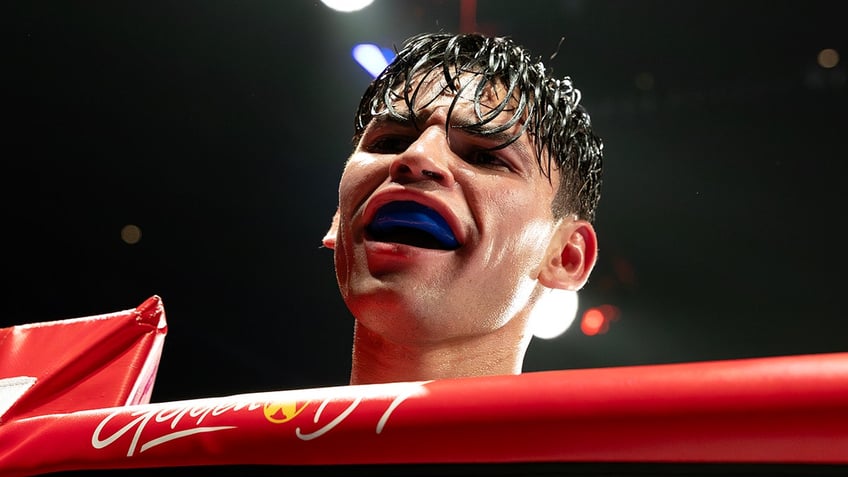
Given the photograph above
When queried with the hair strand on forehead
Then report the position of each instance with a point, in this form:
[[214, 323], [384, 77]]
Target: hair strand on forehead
[[548, 109]]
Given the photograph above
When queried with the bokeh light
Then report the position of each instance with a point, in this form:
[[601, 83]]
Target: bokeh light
[[370, 57], [828, 58], [554, 314], [347, 5], [596, 320], [592, 322], [131, 234]]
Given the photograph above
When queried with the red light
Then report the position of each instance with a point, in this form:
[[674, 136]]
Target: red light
[[596, 321], [592, 322]]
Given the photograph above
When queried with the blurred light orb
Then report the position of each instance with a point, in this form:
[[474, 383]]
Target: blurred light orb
[[371, 58], [131, 234], [553, 316], [347, 5], [592, 322], [828, 58], [597, 320]]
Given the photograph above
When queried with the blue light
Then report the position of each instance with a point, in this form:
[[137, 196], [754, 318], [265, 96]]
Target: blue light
[[373, 58]]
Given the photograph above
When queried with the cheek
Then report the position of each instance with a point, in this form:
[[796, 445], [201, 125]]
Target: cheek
[[359, 169], [361, 176], [524, 248], [520, 226], [346, 241], [344, 261], [363, 173], [524, 218], [342, 272]]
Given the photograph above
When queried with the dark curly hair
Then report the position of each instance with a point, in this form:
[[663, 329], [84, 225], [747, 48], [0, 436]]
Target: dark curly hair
[[548, 109]]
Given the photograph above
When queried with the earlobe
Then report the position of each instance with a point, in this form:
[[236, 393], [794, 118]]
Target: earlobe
[[329, 239], [571, 256]]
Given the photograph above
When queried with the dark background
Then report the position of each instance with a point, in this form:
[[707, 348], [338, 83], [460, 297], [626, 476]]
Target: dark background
[[220, 128]]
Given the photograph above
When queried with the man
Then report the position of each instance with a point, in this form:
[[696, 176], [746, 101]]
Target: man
[[466, 205]]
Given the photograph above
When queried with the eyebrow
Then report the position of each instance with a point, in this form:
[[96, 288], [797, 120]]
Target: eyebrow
[[501, 137], [387, 120]]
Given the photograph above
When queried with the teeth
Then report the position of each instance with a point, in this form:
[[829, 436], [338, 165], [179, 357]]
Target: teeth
[[406, 215]]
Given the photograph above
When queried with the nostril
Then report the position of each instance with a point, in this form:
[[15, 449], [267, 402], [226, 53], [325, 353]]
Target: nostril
[[431, 174]]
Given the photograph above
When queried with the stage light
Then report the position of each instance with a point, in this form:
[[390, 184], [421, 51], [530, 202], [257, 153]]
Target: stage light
[[131, 234], [828, 58], [592, 322], [370, 57], [596, 321], [347, 5], [554, 314]]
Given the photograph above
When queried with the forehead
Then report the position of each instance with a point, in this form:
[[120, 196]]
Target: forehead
[[473, 99], [480, 106]]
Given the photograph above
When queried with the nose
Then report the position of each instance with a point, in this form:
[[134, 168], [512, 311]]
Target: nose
[[427, 158]]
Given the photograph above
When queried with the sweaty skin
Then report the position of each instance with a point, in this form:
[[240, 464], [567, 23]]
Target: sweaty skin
[[429, 313]]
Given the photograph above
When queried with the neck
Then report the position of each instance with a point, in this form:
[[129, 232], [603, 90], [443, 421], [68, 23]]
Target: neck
[[377, 360]]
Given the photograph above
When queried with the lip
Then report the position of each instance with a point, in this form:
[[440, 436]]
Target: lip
[[396, 194]]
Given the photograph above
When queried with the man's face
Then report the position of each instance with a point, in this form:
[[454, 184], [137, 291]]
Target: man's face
[[437, 237]]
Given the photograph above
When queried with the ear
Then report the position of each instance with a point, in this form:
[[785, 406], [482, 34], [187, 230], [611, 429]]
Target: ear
[[329, 239], [571, 256]]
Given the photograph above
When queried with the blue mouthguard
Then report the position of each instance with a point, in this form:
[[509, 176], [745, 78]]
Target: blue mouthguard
[[412, 215]]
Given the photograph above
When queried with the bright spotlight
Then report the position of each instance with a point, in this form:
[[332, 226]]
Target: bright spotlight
[[554, 314], [347, 5], [370, 57]]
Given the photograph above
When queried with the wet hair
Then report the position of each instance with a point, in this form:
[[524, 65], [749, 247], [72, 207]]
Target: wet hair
[[548, 109]]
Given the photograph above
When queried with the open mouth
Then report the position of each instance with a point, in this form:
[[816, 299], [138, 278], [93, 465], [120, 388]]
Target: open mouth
[[413, 224]]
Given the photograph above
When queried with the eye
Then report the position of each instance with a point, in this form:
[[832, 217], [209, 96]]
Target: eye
[[488, 159], [388, 144]]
